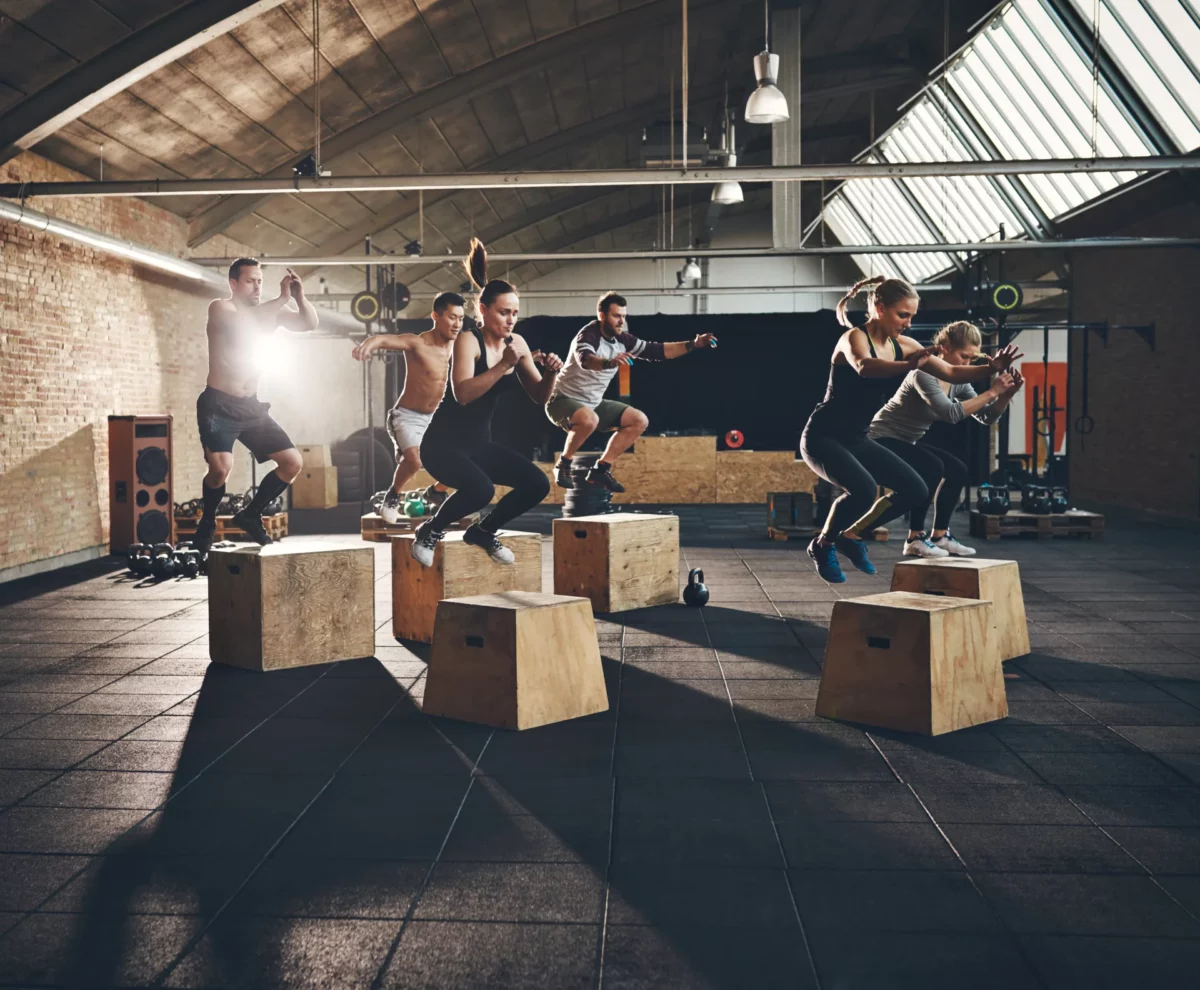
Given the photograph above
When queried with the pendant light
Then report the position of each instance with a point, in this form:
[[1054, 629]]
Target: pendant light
[[691, 270], [766, 105], [728, 193]]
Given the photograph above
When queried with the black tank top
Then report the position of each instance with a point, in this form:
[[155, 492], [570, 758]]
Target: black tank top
[[471, 423], [851, 400]]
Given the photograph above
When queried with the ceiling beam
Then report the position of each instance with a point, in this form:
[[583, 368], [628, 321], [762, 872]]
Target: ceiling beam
[[455, 90], [117, 68]]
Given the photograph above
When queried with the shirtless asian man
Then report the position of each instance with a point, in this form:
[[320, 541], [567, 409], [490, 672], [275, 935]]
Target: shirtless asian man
[[426, 363], [229, 409]]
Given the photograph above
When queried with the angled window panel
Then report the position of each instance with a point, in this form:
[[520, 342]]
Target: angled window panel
[[850, 230]]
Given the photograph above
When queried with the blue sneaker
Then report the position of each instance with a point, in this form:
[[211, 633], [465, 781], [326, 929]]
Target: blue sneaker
[[827, 563], [855, 551]]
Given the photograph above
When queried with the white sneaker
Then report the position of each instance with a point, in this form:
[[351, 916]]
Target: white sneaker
[[391, 509], [953, 547], [923, 546], [427, 539]]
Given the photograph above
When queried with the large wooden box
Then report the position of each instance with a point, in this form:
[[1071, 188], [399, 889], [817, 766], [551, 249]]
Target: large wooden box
[[458, 571], [315, 455], [315, 488], [918, 663], [515, 660], [618, 561], [290, 606], [997, 581]]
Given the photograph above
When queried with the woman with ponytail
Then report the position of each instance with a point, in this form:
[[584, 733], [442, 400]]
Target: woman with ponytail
[[867, 365], [458, 449]]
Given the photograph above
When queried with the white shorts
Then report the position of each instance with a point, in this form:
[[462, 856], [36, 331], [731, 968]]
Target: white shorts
[[406, 427]]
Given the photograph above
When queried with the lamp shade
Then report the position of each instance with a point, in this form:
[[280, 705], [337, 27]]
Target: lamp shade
[[728, 193], [766, 105], [691, 271]]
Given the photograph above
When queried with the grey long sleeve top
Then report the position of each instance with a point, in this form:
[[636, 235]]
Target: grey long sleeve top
[[919, 402]]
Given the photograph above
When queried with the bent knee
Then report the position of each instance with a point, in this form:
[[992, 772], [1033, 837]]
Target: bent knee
[[638, 420], [412, 458], [585, 419], [539, 486], [288, 464]]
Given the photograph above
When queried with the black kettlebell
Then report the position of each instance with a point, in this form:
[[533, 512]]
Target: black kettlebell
[[1035, 499], [135, 558], [1000, 502], [696, 594], [164, 561], [983, 499], [190, 565], [1059, 500]]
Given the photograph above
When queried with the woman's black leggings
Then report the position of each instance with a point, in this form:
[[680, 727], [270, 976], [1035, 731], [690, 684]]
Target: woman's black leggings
[[859, 467], [941, 471], [473, 473]]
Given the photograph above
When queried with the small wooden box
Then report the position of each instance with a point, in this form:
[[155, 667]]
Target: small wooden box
[[458, 571], [315, 488], [315, 455], [997, 581], [515, 660], [283, 606], [618, 561], [918, 663]]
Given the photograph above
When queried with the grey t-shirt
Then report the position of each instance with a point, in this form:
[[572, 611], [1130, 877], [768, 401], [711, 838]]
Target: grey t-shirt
[[580, 383], [919, 402]]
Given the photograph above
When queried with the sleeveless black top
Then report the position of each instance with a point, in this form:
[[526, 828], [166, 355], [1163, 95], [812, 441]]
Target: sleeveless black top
[[851, 400], [472, 423]]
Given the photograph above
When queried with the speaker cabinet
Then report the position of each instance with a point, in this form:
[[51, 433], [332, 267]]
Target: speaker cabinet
[[140, 493]]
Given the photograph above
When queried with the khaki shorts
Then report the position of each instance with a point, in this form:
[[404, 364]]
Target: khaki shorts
[[561, 408]]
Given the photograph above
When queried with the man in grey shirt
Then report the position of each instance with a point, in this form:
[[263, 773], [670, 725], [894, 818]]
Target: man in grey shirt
[[919, 402]]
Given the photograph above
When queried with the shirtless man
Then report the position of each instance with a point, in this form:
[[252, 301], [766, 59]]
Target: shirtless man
[[426, 367], [228, 409]]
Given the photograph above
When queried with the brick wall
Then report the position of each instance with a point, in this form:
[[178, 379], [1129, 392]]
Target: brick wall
[[1145, 452], [84, 335]]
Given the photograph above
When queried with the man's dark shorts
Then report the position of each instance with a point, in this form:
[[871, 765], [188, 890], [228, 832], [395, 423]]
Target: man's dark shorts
[[224, 418]]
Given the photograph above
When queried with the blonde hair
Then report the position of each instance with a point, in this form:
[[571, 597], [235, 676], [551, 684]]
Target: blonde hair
[[958, 335], [884, 291]]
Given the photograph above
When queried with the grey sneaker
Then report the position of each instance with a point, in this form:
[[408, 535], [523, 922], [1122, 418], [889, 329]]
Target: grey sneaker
[[427, 539]]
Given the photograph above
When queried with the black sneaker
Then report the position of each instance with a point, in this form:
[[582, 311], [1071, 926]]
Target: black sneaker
[[562, 473], [477, 536], [203, 537], [427, 539], [253, 525], [600, 475], [433, 499], [391, 509]]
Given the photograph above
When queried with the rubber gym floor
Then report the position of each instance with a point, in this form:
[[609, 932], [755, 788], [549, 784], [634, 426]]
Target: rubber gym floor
[[170, 823]]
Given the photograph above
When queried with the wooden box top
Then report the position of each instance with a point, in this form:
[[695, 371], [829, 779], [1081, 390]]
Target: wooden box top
[[289, 550], [516, 601], [456, 535], [914, 602], [960, 563], [615, 518]]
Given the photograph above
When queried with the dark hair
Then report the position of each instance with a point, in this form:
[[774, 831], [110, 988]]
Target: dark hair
[[445, 300], [235, 270], [476, 266], [610, 298]]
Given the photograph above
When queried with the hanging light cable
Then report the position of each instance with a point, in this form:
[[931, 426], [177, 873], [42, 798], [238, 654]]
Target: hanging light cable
[[766, 105]]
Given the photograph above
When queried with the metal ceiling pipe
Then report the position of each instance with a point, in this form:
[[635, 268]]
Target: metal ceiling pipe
[[400, 260], [599, 177], [720, 290], [129, 251]]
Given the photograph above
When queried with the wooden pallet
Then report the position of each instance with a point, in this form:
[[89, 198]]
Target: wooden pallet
[[375, 530], [880, 534], [1044, 527], [276, 527]]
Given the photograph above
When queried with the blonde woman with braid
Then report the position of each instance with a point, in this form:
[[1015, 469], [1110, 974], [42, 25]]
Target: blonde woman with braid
[[901, 425], [866, 368]]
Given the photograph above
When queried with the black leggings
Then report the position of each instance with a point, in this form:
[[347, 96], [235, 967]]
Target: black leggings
[[941, 471], [859, 467], [471, 471]]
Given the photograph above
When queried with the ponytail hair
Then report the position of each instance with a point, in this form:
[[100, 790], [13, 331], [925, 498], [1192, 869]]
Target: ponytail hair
[[475, 264], [884, 291], [958, 335]]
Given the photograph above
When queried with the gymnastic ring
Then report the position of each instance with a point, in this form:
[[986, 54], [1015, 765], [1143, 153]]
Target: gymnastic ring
[[1042, 426], [1084, 425], [734, 439]]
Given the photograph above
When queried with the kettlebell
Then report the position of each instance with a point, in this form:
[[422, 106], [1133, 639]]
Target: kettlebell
[[1059, 500], [696, 594], [191, 563], [1035, 499], [1000, 502], [414, 508], [163, 565], [135, 557], [983, 499]]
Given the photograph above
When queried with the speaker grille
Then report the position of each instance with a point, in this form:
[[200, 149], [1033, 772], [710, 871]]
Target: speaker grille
[[153, 527], [152, 465]]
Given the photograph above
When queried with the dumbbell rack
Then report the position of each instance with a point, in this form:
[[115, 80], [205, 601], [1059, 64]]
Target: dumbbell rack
[[1044, 527], [276, 527]]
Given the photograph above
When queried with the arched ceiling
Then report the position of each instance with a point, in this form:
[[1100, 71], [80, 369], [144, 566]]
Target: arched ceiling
[[220, 88]]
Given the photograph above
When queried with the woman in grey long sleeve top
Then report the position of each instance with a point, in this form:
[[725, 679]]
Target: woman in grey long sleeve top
[[919, 402]]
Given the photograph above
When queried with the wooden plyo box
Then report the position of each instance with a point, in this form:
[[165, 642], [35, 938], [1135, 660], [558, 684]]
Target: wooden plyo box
[[315, 455], [618, 561], [515, 660], [997, 581], [917, 663], [282, 606], [315, 488], [458, 571]]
